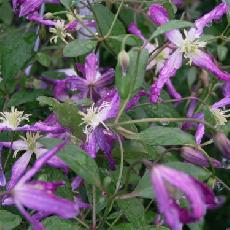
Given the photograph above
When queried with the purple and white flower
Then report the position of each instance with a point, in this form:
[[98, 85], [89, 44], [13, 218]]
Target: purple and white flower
[[170, 186], [188, 46]]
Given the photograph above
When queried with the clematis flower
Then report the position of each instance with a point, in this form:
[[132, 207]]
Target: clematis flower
[[94, 81], [194, 156], [188, 46], [98, 135], [11, 121], [39, 195], [219, 114], [29, 145], [170, 186]]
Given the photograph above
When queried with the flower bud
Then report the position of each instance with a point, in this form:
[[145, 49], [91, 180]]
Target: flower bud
[[223, 144], [194, 156], [123, 60]]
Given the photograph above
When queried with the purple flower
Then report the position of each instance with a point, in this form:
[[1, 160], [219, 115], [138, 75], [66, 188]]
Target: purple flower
[[166, 181], [223, 144], [98, 135], [188, 46], [196, 157], [94, 80], [2, 175], [39, 195]]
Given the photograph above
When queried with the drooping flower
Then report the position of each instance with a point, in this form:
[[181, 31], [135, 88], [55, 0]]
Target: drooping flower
[[170, 186], [98, 135], [39, 195], [188, 46], [196, 157]]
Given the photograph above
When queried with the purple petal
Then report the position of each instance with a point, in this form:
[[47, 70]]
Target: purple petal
[[105, 141], [41, 161], [200, 130], [172, 91], [29, 6], [76, 183], [216, 14], [37, 18], [91, 146], [72, 25], [106, 79], [164, 201], [91, 67], [19, 169], [226, 89], [133, 29], [34, 196], [169, 70], [135, 99], [193, 156], [56, 162], [2, 175], [204, 61], [223, 102]]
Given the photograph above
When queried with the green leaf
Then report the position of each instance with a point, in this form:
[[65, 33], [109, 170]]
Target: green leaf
[[134, 78], [9, 220], [193, 170], [144, 188], [222, 52], [132, 40], [159, 135], [55, 223], [43, 59], [67, 114], [17, 49], [79, 47], [81, 163], [104, 18], [133, 210], [22, 97], [6, 13], [66, 3], [171, 25]]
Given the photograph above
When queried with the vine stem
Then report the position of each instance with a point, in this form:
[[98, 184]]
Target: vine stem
[[94, 227], [145, 120]]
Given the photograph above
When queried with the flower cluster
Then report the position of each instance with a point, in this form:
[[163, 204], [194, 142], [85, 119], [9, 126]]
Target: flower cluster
[[93, 111]]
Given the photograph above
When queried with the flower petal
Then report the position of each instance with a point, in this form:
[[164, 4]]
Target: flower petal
[[204, 61], [169, 70]]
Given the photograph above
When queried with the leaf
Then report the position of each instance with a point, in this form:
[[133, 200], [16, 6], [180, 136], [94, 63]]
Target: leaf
[[144, 188], [134, 78], [81, 163], [133, 210], [171, 25], [9, 220], [104, 18], [67, 114], [79, 47], [43, 59], [193, 170], [132, 40], [159, 135], [22, 97], [67, 3], [17, 49], [55, 223], [6, 13]]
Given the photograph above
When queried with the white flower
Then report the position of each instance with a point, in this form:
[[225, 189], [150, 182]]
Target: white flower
[[95, 116], [13, 118], [220, 116], [59, 31]]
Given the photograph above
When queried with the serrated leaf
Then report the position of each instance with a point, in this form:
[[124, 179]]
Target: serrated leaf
[[171, 25], [79, 47], [159, 135], [8, 220]]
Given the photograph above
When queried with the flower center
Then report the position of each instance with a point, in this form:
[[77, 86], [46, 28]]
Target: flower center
[[191, 45], [31, 140], [220, 116], [94, 116], [59, 31], [14, 118]]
